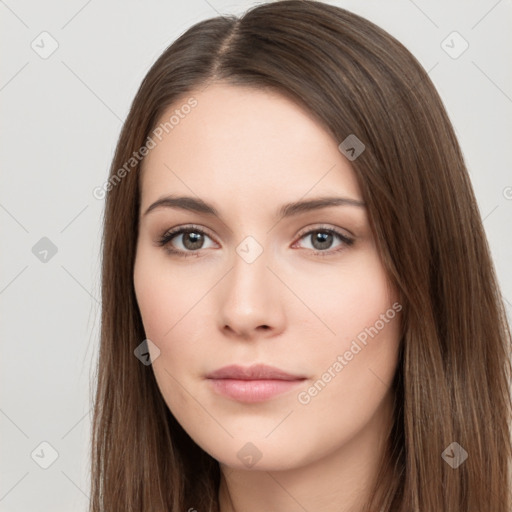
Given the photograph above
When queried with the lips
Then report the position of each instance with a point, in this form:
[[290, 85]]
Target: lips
[[255, 372], [256, 383]]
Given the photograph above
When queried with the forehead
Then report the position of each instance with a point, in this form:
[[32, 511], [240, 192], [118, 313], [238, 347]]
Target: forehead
[[244, 145]]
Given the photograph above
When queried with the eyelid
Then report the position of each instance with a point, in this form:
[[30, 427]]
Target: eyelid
[[178, 230], [326, 227]]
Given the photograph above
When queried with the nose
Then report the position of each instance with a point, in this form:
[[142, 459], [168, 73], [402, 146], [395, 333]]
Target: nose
[[251, 297]]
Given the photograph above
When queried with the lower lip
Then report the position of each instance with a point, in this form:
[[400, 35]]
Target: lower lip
[[252, 390]]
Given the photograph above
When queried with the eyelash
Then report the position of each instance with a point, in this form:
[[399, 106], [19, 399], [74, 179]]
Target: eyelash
[[166, 238]]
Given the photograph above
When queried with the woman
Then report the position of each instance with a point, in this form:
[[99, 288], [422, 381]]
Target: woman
[[300, 311]]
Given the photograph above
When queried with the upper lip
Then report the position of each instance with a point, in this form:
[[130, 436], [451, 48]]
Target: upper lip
[[254, 372]]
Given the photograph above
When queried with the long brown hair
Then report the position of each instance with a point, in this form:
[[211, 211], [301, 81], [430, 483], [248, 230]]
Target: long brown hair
[[454, 372]]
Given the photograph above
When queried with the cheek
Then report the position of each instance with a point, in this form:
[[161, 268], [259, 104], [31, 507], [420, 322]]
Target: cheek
[[347, 298], [169, 298], [162, 295], [151, 299], [163, 311], [355, 358], [155, 304]]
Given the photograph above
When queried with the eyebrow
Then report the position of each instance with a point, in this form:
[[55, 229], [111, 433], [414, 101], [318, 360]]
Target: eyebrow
[[287, 210]]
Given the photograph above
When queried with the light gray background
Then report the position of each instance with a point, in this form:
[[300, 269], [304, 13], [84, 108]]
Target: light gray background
[[61, 117]]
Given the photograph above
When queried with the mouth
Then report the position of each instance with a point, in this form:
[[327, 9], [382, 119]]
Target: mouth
[[254, 372], [256, 383]]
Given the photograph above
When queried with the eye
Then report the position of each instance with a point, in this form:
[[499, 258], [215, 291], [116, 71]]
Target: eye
[[322, 239], [192, 239]]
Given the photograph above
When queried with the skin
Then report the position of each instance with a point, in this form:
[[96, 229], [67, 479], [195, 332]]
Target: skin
[[248, 151]]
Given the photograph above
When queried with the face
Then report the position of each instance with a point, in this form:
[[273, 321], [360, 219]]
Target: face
[[301, 289]]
